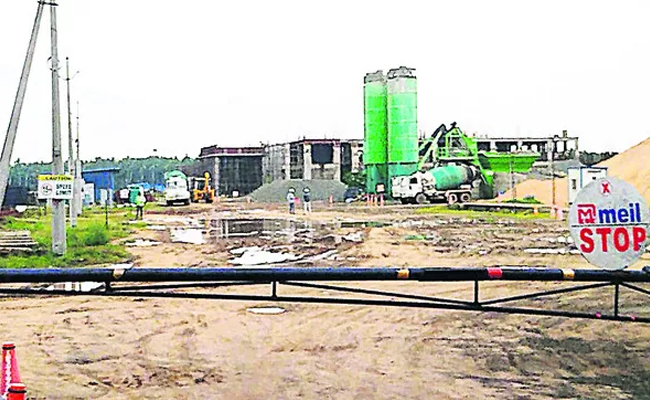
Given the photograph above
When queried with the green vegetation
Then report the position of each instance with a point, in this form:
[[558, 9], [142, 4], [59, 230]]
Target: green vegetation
[[485, 215], [89, 243], [525, 200], [132, 170]]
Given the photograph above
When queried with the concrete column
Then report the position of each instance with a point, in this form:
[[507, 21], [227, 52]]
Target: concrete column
[[337, 161], [306, 161], [493, 145], [286, 152], [354, 150], [520, 145], [215, 177], [550, 149]]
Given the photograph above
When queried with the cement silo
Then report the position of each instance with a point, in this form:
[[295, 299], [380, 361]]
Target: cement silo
[[375, 130], [402, 121]]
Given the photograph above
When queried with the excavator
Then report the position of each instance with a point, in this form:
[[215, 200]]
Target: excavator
[[201, 189]]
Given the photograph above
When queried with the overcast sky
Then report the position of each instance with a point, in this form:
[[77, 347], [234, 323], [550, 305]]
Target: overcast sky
[[179, 75]]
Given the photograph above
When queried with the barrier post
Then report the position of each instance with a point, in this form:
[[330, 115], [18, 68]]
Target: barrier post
[[16, 391], [9, 368]]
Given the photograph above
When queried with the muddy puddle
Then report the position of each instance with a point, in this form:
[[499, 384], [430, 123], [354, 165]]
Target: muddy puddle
[[235, 228]]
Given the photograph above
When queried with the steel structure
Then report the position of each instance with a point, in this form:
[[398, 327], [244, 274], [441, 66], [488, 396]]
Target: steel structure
[[120, 282]]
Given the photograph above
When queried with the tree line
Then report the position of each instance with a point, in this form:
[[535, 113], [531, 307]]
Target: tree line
[[131, 170]]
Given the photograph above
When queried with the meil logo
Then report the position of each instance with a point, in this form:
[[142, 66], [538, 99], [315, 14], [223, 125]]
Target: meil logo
[[586, 213]]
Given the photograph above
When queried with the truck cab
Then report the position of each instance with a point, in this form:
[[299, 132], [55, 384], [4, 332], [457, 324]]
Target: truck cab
[[407, 188]]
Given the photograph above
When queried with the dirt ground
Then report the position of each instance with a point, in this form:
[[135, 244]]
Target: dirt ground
[[138, 348]]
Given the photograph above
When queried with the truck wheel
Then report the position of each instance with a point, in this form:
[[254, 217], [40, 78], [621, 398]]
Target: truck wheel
[[452, 198], [465, 197], [420, 198]]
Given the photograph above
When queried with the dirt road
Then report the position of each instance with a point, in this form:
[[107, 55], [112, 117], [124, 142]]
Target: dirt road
[[121, 348]]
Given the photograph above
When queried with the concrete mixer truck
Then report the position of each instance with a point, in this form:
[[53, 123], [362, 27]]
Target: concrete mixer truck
[[458, 172], [449, 183]]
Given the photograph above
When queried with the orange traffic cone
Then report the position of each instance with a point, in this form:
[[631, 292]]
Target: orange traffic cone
[[9, 370], [16, 391]]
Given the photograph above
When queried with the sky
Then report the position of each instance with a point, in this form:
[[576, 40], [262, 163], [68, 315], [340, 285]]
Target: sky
[[176, 76]]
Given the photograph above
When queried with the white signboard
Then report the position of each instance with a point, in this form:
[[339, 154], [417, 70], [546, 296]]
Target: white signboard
[[609, 223], [57, 187]]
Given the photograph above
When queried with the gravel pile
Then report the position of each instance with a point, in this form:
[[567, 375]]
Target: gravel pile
[[321, 189]]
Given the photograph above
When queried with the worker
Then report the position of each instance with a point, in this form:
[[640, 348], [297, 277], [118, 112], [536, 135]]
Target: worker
[[291, 198], [140, 201], [306, 197]]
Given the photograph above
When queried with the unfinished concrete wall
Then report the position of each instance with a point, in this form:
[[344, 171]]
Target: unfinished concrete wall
[[276, 163], [323, 161], [242, 174], [296, 159]]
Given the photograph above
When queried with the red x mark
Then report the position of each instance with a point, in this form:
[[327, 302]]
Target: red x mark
[[605, 188]]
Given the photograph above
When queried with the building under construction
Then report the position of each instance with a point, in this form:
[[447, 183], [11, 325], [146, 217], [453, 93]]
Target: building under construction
[[240, 170], [234, 170], [558, 148], [312, 159]]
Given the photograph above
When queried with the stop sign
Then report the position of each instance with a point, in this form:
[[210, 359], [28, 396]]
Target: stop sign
[[609, 223]]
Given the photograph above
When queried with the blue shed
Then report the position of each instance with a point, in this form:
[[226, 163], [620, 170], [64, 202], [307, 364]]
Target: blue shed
[[101, 178]]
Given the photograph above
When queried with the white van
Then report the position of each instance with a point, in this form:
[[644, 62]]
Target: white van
[[176, 191]]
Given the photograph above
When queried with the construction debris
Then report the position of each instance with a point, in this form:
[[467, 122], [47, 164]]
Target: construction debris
[[258, 256], [266, 310], [142, 243], [192, 236]]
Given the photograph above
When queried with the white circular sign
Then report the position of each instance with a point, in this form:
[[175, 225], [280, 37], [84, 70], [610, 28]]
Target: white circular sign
[[609, 223]]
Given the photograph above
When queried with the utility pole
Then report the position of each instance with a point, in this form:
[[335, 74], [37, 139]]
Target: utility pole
[[71, 167], [7, 149], [78, 181], [58, 206]]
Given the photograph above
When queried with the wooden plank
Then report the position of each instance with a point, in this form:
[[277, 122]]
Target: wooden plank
[[5, 250], [25, 243]]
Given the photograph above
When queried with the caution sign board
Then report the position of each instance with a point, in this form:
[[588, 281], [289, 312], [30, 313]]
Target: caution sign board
[[609, 223], [57, 187]]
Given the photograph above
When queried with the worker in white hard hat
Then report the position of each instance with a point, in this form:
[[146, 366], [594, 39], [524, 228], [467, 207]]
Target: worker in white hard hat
[[291, 199], [306, 197]]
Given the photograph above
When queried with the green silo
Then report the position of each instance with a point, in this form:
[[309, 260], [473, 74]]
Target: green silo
[[401, 103], [375, 129]]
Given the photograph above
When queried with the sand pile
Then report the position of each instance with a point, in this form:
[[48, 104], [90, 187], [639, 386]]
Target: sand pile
[[321, 189], [631, 166], [542, 190]]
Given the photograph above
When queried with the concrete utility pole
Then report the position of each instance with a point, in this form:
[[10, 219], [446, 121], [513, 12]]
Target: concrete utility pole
[[7, 149], [78, 181], [58, 206], [71, 166]]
